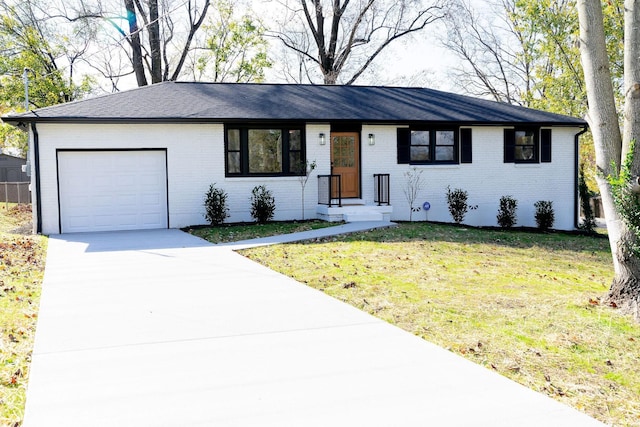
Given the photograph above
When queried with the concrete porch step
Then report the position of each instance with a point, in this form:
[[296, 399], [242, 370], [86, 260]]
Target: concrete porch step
[[357, 216], [354, 213]]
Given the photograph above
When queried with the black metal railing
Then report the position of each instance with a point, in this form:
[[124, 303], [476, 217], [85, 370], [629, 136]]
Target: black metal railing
[[329, 190], [381, 188]]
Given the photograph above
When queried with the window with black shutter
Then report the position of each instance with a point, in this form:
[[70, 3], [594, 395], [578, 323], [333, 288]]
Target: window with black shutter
[[466, 152], [545, 145], [424, 145], [521, 145], [404, 141]]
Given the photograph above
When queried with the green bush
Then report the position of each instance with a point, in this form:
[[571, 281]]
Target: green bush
[[507, 212], [626, 201], [215, 204], [263, 205], [458, 206], [545, 216]]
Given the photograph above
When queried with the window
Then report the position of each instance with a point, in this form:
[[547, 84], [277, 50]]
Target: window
[[527, 145], [264, 151], [433, 146]]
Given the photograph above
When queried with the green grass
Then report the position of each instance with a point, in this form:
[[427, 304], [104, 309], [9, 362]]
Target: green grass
[[21, 272], [526, 305], [523, 304], [236, 232]]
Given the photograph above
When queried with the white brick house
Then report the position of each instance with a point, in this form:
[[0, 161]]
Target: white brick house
[[145, 158]]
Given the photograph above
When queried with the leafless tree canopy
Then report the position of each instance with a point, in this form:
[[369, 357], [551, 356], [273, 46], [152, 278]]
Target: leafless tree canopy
[[337, 40], [155, 35], [494, 61]]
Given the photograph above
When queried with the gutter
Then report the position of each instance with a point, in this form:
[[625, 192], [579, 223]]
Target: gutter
[[576, 196], [36, 175]]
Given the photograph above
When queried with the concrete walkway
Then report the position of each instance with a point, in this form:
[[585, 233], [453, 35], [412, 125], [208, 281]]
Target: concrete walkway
[[159, 328], [350, 227]]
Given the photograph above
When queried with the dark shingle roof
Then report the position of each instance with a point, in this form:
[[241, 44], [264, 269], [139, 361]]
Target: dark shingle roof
[[225, 102]]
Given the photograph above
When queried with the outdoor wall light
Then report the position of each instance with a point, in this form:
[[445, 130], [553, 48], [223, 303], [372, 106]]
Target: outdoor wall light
[[321, 139], [372, 139]]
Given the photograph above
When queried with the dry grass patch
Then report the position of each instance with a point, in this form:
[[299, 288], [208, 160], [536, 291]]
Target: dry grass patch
[[21, 272], [523, 304]]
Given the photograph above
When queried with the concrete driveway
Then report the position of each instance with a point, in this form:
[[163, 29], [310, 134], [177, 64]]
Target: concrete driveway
[[159, 328]]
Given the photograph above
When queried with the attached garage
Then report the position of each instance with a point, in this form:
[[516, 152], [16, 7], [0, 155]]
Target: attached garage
[[112, 190]]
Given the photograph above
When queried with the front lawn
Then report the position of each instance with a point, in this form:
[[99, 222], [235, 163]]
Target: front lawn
[[526, 305], [21, 271], [226, 233]]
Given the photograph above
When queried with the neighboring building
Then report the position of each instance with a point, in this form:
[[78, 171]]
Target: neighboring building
[[14, 183], [145, 158], [11, 169]]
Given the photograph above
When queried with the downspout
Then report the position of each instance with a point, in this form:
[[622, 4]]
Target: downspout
[[576, 193], [36, 175]]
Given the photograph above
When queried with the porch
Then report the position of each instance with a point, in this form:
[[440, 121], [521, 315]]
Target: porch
[[333, 208]]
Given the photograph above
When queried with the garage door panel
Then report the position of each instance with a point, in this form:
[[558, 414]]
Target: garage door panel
[[112, 190]]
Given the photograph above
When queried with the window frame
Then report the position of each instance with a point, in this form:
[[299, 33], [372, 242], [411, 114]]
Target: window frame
[[433, 132], [510, 145], [285, 155]]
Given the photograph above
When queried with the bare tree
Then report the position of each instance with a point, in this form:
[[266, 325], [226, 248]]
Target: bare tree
[[342, 38], [155, 35], [495, 60], [612, 146]]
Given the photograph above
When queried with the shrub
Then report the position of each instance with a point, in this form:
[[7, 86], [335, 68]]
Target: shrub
[[215, 205], [544, 214], [457, 201], [507, 212], [263, 205], [626, 201]]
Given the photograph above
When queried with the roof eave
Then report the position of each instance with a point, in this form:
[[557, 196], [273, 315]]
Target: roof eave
[[23, 121]]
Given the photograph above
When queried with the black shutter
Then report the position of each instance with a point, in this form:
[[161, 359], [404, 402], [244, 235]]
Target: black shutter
[[545, 145], [466, 153], [404, 145], [509, 145]]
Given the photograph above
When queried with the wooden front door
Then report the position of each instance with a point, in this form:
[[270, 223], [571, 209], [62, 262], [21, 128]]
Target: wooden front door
[[345, 161]]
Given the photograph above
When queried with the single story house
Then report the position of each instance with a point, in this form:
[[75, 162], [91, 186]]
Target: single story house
[[145, 158]]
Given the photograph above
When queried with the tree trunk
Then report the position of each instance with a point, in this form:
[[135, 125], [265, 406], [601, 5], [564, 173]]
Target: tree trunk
[[136, 48], [154, 42], [603, 120]]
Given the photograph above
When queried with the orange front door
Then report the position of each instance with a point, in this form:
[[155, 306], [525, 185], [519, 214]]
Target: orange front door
[[345, 161]]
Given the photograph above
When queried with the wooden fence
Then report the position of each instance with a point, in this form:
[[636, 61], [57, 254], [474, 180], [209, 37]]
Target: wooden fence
[[15, 192]]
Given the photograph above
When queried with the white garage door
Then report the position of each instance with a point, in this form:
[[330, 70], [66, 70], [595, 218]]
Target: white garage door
[[112, 190]]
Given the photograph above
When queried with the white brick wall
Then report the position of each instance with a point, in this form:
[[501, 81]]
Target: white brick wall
[[486, 179], [195, 157]]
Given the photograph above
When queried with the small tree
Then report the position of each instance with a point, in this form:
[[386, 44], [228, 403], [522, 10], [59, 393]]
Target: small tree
[[589, 222], [507, 212], [458, 206], [413, 184], [307, 168], [263, 205], [544, 214], [215, 204]]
